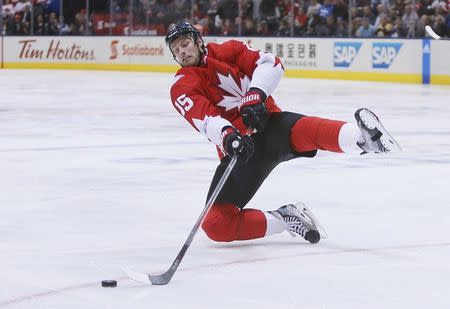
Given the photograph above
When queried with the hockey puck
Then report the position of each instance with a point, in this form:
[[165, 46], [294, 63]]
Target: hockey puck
[[109, 283]]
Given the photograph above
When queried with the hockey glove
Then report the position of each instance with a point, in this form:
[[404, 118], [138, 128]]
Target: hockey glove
[[234, 143], [253, 110]]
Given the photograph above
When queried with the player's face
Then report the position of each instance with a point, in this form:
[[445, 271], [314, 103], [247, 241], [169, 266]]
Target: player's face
[[186, 51]]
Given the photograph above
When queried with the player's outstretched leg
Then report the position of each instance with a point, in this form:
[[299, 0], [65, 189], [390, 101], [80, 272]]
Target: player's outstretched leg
[[375, 137], [226, 222], [298, 222]]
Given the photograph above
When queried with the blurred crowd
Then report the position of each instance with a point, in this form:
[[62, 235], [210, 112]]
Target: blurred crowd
[[38, 17], [299, 18]]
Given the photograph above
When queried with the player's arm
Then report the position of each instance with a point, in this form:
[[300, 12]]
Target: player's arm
[[206, 119], [265, 70]]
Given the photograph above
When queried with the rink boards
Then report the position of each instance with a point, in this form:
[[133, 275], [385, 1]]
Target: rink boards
[[390, 60]]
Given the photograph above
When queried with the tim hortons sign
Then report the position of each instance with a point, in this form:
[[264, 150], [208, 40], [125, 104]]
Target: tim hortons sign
[[54, 50]]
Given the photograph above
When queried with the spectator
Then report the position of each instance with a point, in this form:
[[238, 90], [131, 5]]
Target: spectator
[[9, 24], [267, 9], [440, 9], [248, 27], [316, 25], [7, 9], [410, 19], [420, 27], [77, 27], [341, 28], [39, 7], [204, 23], [300, 21], [196, 13], [357, 22], [116, 9], [212, 7], [394, 13], [41, 26], [18, 26], [27, 15], [438, 4], [366, 30], [211, 26], [53, 24], [439, 26], [283, 29], [331, 26], [341, 10], [262, 28], [388, 29], [228, 28], [314, 7], [367, 12], [20, 6], [425, 7], [256, 10], [228, 9], [385, 28], [63, 28], [326, 9], [399, 30], [26, 28], [381, 14], [247, 8], [320, 28], [283, 8], [177, 10]]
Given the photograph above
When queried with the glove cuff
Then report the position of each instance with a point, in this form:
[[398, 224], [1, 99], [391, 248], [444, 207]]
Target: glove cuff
[[227, 130], [262, 94], [253, 96]]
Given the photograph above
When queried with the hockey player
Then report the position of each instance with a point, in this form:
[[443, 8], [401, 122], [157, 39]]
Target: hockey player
[[224, 91]]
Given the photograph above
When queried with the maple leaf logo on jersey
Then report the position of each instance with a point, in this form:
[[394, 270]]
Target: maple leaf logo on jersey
[[235, 92]]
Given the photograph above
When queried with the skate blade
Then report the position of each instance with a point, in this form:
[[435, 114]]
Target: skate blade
[[310, 216], [386, 139]]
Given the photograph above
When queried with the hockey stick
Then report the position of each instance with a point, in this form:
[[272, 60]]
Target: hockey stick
[[433, 34], [165, 278]]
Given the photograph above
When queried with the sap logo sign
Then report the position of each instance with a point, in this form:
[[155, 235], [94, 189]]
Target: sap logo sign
[[345, 53], [383, 54]]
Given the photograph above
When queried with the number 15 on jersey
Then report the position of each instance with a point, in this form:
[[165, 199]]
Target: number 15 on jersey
[[183, 104]]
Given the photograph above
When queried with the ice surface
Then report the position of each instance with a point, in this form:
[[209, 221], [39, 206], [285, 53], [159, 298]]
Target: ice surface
[[98, 171]]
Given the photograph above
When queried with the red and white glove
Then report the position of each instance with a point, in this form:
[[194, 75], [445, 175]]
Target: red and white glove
[[234, 143], [253, 110]]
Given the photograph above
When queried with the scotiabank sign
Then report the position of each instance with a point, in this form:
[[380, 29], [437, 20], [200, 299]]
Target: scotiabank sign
[[33, 49], [135, 49]]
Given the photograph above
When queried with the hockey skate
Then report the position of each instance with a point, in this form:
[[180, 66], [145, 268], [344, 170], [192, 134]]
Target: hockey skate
[[299, 220], [376, 138]]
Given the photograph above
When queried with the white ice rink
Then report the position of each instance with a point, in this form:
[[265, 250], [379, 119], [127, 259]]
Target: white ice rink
[[98, 171]]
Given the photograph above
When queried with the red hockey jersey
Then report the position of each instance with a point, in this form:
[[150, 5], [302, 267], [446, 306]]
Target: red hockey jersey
[[208, 96]]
